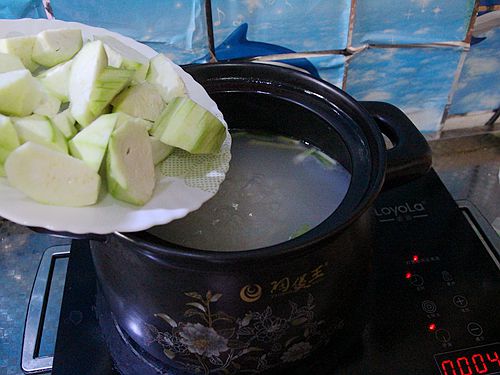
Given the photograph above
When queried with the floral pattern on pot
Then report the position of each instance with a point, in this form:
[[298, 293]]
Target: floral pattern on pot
[[213, 342]]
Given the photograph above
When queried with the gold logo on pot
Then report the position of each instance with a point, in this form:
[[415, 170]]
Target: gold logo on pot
[[293, 284], [251, 293]]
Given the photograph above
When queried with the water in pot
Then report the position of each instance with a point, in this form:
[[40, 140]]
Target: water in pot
[[277, 188]]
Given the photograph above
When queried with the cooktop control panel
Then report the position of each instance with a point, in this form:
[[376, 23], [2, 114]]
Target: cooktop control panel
[[455, 299], [436, 288]]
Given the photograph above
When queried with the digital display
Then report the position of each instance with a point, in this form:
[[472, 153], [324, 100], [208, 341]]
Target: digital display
[[472, 361]]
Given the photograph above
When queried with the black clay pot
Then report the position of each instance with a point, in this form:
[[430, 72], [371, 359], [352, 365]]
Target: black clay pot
[[251, 311]]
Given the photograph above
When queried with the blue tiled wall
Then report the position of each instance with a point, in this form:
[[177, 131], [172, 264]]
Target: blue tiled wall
[[417, 80], [298, 25], [344, 41], [22, 9], [411, 21], [479, 84], [177, 28], [330, 68]]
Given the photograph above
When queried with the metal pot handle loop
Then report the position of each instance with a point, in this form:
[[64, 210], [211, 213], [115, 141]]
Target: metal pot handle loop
[[411, 155]]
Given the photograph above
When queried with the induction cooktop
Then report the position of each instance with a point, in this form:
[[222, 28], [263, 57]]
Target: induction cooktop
[[432, 307]]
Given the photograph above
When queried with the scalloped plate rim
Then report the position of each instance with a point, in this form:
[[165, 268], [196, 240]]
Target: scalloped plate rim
[[135, 218]]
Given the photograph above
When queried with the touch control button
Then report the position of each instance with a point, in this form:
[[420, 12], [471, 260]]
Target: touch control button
[[475, 329], [443, 335], [460, 301], [429, 306], [446, 276], [417, 280]]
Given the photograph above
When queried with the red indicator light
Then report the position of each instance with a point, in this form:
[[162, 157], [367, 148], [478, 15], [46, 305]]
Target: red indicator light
[[408, 275], [415, 258], [432, 327]]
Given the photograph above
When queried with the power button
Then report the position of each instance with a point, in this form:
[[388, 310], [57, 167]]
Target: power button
[[417, 280], [442, 335]]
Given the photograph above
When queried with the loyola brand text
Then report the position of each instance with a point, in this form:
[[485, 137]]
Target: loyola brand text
[[403, 209]]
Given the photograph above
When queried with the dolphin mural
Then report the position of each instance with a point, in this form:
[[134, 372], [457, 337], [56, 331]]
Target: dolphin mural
[[476, 40], [483, 24], [237, 46]]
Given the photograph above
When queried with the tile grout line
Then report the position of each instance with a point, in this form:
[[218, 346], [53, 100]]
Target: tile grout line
[[491, 122], [459, 69], [352, 17], [297, 55], [475, 10], [210, 30], [452, 91], [349, 52], [48, 10]]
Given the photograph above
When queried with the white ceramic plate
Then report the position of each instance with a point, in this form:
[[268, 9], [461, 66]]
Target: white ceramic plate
[[184, 182]]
